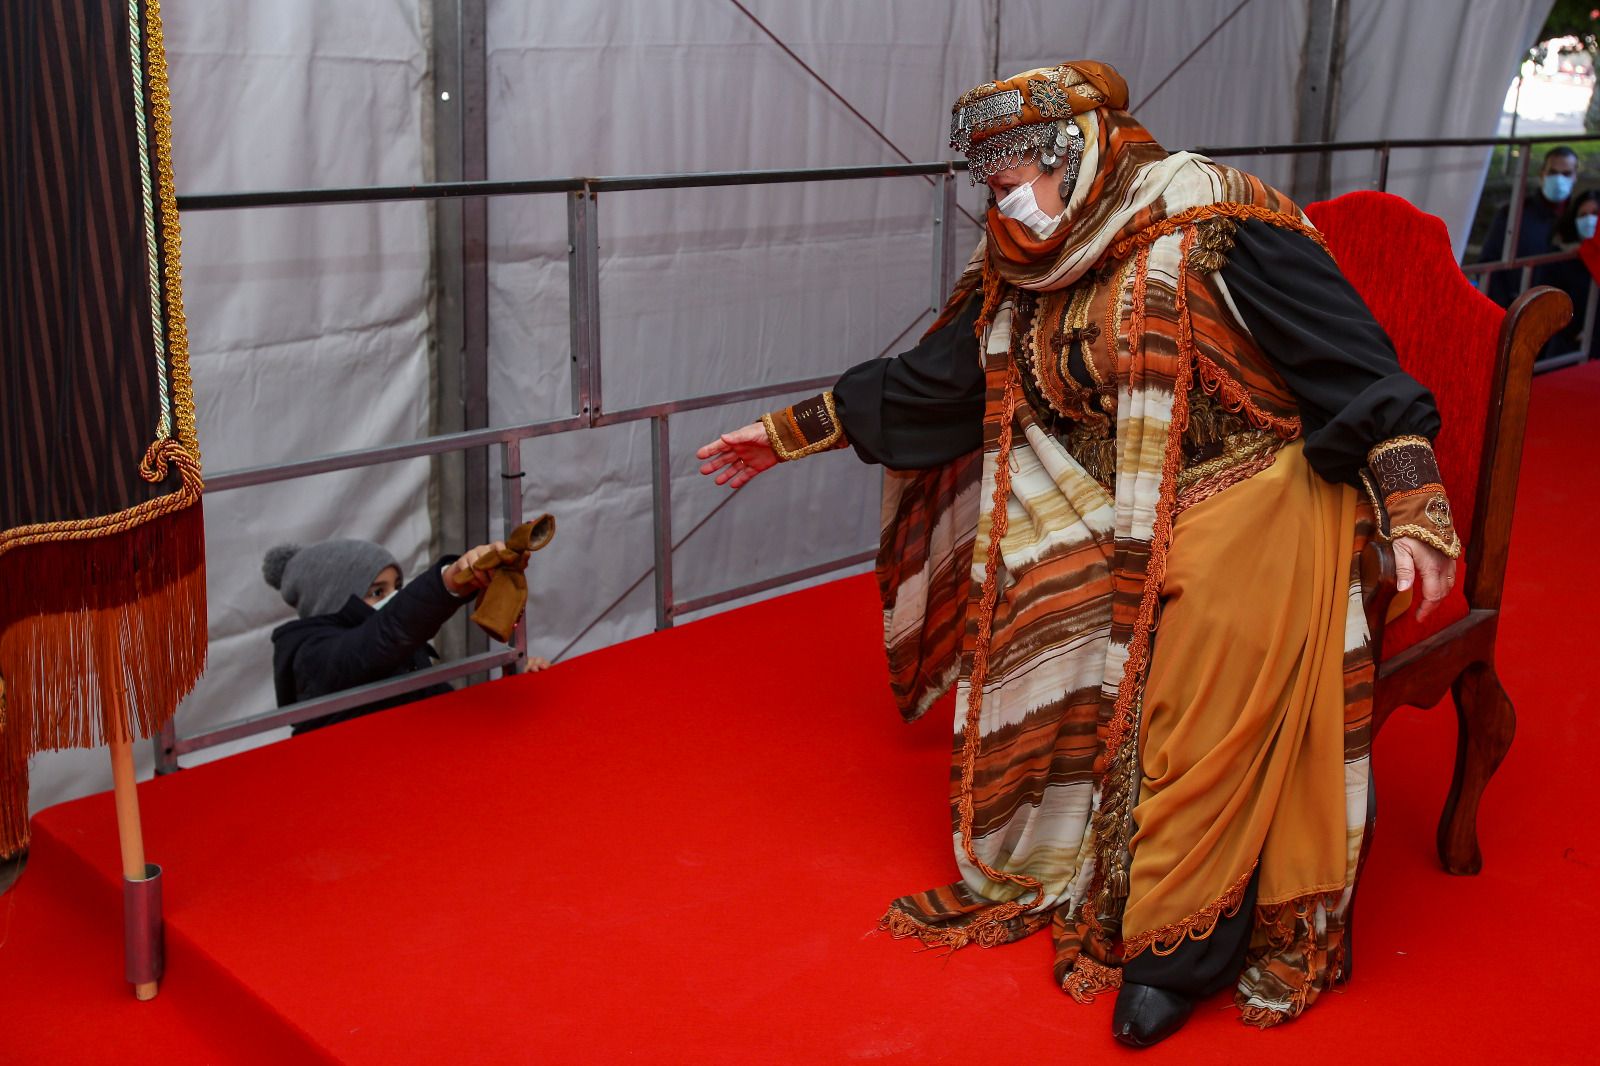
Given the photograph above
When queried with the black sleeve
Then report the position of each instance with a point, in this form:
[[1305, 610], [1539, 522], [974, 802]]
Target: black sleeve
[[384, 642], [1503, 284], [921, 408], [1332, 353], [1494, 241]]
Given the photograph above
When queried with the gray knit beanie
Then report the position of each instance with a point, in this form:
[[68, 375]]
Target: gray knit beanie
[[319, 579]]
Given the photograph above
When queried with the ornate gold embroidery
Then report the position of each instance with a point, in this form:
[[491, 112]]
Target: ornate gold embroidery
[[1242, 456], [789, 437]]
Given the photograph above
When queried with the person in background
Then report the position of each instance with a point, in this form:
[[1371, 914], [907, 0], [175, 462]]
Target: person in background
[[1541, 214], [1572, 276], [360, 621]]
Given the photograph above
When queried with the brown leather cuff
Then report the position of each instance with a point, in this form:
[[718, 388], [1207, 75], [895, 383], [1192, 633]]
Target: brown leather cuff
[[806, 428], [1402, 477]]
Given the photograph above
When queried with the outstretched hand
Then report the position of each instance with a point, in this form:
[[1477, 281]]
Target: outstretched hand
[[472, 572], [1426, 566], [738, 456]]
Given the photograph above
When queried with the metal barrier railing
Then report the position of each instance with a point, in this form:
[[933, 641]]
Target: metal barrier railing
[[588, 410], [1507, 260]]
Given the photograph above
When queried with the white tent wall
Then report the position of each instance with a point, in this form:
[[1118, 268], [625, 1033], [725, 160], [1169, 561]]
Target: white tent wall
[[1430, 68], [710, 289], [310, 327]]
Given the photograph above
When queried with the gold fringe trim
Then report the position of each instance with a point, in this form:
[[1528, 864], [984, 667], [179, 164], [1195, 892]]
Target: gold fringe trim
[[154, 467], [182, 451], [1089, 978], [171, 234], [1207, 487], [1450, 548], [1198, 926]]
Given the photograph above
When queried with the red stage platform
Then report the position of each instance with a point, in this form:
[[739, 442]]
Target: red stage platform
[[675, 850]]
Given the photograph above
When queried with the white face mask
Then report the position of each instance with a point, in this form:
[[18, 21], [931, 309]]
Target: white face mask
[[381, 604], [1019, 204], [1557, 187], [1586, 224]]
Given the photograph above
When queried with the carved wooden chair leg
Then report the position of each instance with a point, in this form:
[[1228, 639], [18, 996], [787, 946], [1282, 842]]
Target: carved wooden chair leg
[[1485, 724]]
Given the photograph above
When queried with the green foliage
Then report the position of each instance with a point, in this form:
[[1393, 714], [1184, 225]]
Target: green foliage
[[1574, 18]]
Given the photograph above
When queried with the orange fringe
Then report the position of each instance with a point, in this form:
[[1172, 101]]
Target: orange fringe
[[1089, 978], [1261, 1017], [1161, 534], [1235, 399], [104, 649], [986, 931], [1198, 926], [1001, 912], [1239, 212]]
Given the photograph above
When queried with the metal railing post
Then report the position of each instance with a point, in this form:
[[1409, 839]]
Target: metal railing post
[[1587, 336], [165, 743], [1383, 169], [583, 288], [661, 506], [1519, 196], [511, 508], [944, 224]]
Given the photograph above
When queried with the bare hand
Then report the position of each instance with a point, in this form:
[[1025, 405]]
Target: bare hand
[[473, 571], [535, 664], [738, 456], [1427, 566]]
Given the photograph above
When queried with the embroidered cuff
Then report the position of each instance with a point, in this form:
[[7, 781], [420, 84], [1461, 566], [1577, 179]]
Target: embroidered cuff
[[804, 429], [1402, 476]]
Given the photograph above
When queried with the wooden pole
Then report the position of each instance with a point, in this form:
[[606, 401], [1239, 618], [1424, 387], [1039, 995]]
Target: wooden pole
[[129, 833]]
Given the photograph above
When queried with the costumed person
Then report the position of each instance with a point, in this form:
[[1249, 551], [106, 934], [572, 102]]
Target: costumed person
[[361, 621], [1124, 519]]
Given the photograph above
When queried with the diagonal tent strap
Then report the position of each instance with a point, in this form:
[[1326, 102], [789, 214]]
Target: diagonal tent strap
[[1196, 50], [681, 541], [837, 95]]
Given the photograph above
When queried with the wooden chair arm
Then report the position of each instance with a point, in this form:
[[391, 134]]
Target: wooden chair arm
[[1377, 589]]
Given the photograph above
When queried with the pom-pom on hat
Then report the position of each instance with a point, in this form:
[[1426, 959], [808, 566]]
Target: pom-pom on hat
[[321, 578]]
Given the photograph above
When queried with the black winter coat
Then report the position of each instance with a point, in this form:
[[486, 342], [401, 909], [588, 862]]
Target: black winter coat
[[358, 645]]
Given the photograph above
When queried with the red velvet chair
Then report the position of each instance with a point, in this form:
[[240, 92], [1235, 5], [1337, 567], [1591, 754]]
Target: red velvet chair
[[1478, 361]]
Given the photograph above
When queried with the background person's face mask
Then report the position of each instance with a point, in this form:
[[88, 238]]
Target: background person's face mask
[[379, 605], [1019, 204], [1557, 187], [1586, 224]]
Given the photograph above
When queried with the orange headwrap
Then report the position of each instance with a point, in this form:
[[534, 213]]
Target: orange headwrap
[[1034, 96]]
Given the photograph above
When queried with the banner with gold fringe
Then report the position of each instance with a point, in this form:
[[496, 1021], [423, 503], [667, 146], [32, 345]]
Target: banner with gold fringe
[[102, 552]]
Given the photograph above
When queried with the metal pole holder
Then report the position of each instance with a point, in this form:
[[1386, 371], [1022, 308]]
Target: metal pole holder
[[144, 951]]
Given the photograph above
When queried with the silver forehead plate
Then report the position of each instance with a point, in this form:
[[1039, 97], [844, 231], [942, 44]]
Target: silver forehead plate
[[986, 112]]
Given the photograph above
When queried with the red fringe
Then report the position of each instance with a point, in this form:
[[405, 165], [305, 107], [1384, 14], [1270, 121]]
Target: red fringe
[[99, 639]]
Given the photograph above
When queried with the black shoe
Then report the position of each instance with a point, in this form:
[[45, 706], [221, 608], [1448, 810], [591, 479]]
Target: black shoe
[[1146, 1015]]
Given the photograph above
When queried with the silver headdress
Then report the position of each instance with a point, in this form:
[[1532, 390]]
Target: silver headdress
[[989, 125], [1047, 142]]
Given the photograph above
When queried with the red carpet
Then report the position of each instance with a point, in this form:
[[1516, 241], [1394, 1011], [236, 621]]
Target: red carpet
[[671, 851]]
